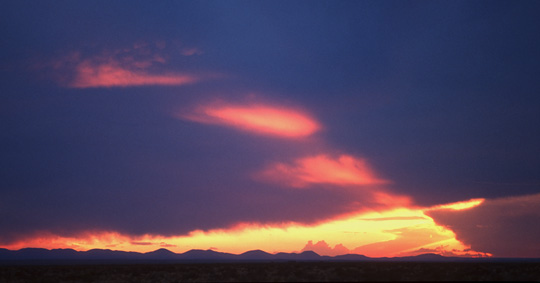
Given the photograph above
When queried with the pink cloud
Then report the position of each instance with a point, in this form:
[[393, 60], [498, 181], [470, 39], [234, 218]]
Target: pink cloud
[[257, 118], [322, 169], [138, 65], [191, 51], [89, 74]]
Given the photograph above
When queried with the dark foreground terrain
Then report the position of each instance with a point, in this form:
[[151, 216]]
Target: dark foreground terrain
[[276, 271]]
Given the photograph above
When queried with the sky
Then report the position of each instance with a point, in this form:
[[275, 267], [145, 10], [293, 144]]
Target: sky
[[383, 128]]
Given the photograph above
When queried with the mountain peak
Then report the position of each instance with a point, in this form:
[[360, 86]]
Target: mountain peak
[[196, 255], [161, 251], [255, 252]]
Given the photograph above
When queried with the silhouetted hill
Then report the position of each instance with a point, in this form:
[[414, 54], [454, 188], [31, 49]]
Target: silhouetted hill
[[255, 255], [40, 256], [304, 256], [100, 254], [163, 254], [206, 255], [426, 257], [351, 257]]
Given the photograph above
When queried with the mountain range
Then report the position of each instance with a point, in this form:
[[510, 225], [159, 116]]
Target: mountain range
[[38, 256]]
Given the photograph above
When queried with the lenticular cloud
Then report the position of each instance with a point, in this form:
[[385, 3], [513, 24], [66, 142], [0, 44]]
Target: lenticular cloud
[[344, 170], [257, 118]]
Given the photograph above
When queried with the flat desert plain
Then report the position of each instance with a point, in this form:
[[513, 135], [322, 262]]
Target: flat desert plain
[[274, 272]]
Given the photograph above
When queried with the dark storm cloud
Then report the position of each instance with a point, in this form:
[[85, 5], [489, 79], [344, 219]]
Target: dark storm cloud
[[504, 227], [439, 98]]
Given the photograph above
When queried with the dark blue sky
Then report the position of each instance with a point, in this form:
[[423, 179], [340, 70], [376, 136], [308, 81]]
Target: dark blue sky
[[440, 97]]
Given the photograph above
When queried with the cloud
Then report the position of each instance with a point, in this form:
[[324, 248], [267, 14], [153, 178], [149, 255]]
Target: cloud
[[322, 248], [322, 169], [504, 227], [460, 205], [411, 233], [394, 218], [191, 51], [258, 118], [141, 243], [165, 245], [444, 250], [139, 65], [405, 238], [89, 74], [391, 248]]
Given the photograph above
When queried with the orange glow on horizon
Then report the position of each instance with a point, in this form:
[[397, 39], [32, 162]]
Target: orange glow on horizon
[[395, 232], [344, 170], [258, 118]]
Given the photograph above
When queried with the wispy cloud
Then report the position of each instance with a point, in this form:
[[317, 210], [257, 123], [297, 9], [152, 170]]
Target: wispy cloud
[[322, 169], [399, 218], [460, 205], [141, 243], [139, 65], [190, 51], [89, 74], [258, 118]]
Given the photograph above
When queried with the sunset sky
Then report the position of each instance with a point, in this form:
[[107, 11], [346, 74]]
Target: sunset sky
[[382, 128]]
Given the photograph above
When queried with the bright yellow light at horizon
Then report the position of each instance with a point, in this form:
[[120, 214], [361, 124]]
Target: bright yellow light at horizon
[[396, 232]]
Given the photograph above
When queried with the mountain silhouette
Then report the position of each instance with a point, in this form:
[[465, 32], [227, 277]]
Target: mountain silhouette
[[97, 254], [304, 256], [255, 255], [38, 256], [352, 257], [163, 254]]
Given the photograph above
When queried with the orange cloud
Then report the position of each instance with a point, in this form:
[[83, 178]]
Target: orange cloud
[[111, 74], [461, 205], [141, 243], [257, 118], [165, 245], [344, 170], [134, 66], [394, 218]]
